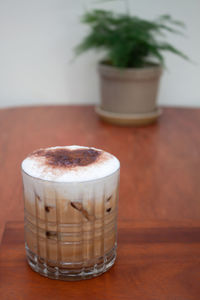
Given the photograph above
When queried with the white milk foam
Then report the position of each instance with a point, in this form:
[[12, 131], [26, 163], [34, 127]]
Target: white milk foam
[[95, 181], [36, 166]]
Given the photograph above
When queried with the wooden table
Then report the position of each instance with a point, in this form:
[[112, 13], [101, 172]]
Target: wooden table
[[159, 209]]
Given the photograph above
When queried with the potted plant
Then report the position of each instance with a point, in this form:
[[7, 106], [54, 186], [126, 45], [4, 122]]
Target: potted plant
[[133, 64]]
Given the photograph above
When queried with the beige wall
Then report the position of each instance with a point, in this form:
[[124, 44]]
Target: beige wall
[[36, 42]]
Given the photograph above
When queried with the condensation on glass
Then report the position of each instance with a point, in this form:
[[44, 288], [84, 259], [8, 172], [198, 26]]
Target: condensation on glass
[[71, 228]]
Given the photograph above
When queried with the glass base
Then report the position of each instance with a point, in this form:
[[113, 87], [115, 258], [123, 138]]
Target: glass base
[[71, 271]]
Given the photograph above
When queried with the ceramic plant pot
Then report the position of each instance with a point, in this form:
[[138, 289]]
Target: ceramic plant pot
[[129, 97]]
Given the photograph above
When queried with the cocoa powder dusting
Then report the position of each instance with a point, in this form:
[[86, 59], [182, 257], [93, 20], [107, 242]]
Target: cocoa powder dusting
[[64, 158]]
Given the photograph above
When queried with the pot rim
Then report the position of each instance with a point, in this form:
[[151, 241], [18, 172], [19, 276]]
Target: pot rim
[[148, 66], [145, 73]]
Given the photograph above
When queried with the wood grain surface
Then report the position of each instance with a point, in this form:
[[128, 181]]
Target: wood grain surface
[[159, 208], [152, 264]]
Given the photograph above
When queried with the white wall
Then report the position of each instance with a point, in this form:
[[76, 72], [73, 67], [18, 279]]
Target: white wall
[[36, 42]]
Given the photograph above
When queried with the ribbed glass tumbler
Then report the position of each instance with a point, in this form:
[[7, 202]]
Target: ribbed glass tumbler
[[71, 227]]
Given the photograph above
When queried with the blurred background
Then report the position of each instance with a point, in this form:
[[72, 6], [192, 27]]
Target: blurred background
[[37, 65]]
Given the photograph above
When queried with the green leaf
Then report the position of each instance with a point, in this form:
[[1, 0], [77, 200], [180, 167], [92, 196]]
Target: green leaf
[[129, 41]]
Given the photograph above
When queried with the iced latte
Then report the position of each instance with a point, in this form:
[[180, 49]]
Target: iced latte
[[70, 196]]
